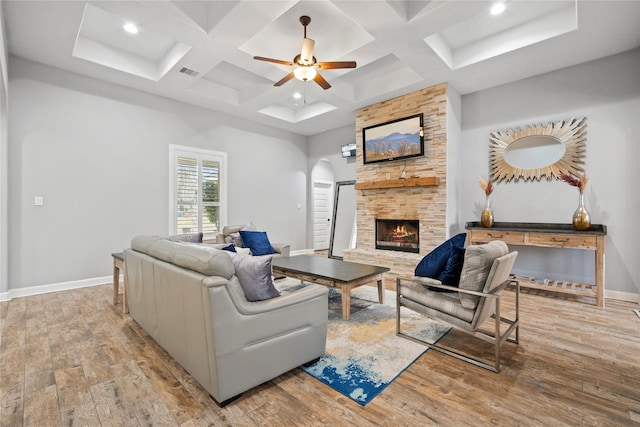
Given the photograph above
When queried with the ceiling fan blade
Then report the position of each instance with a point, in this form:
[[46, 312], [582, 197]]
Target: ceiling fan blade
[[321, 81], [284, 79], [275, 61], [336, 64]]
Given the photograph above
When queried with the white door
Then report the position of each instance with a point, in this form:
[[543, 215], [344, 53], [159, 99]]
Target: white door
[[322, 203]]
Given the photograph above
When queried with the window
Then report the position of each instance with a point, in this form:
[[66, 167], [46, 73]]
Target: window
[[198, 190]]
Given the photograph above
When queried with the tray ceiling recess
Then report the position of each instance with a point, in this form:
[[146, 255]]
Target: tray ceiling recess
[[107, 39]]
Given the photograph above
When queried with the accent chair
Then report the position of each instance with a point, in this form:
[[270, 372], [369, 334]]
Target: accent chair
[[485, 275]]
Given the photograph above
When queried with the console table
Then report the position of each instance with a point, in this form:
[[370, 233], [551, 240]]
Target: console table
[[550, 236]]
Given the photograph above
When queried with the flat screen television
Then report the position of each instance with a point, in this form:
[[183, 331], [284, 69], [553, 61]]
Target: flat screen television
[[394, 140]]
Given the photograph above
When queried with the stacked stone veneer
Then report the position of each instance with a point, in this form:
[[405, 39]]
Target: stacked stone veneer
[[427, 204]]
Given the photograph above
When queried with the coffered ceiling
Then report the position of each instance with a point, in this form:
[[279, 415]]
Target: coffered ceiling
[[201, 52]]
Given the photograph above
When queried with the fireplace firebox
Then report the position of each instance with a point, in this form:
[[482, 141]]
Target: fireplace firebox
[[398, 235]]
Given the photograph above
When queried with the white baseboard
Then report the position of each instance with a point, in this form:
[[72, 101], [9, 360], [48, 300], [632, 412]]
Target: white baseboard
[[56, 287], [301, 252], [622, 296]]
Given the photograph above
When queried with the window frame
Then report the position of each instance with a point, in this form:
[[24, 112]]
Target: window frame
[[176, 151]]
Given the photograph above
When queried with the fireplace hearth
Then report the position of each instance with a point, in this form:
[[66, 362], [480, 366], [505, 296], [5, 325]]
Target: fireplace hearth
[[398, 235]]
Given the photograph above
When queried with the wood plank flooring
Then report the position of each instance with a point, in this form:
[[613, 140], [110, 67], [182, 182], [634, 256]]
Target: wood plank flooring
[[72, 358]]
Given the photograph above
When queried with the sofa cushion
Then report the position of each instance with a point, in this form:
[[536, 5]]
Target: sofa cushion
[[200, 258], [478, 260], [243, 251], [231, 233], [188, 237], [258, 242], [223, 246], [435, 261], [235, 239], [254, 275]]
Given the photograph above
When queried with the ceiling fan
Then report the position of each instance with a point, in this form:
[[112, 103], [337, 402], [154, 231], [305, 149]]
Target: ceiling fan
[[306, 64]]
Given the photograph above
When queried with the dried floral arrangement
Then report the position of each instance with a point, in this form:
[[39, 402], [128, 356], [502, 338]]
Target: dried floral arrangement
[[573, 181], [487, 186]]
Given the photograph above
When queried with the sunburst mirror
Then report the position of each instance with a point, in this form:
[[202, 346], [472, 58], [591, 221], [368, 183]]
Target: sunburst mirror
[[538, 151]]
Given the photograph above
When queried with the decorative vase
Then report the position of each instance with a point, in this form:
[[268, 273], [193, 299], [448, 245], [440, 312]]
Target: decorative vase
[[581, 219], [486, 219]]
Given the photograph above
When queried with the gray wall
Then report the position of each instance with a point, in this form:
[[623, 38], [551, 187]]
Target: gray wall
[[98, 153], [607, 92], [327, 146]]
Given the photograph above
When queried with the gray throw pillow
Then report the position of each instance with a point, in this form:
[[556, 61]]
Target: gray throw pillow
[[254, 275], [236, 239], [478, 260]]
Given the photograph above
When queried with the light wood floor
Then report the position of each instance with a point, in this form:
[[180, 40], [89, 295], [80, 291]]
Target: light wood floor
[[72, 358]]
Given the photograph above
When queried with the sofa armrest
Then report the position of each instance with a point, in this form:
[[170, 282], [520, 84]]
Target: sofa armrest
[[283, 249]]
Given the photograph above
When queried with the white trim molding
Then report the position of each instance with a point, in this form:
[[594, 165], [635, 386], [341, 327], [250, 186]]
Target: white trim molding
[[56, 287], [622, 296]]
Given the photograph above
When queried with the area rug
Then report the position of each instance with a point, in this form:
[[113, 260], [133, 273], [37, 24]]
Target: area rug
[[363, 354]]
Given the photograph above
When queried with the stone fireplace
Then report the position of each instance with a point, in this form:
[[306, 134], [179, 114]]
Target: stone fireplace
[[414, 189], [401, 235]]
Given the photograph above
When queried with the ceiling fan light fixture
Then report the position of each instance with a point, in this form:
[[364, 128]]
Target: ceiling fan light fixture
[[305, 73]]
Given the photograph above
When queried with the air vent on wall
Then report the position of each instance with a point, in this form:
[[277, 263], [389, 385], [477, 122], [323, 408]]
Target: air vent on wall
[[188, 71]]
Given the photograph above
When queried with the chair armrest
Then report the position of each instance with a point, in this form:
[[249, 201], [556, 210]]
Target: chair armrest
[[503, 285], [426, 280], [220, 238], [494, 293]]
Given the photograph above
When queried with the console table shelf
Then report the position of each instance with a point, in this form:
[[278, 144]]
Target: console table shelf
[[399, 183], [550, 236], [561, 286]]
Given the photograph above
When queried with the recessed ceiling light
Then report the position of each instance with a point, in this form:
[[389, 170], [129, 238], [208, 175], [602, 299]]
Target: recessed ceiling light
[[130, 28], [497, 8], [297, 95]]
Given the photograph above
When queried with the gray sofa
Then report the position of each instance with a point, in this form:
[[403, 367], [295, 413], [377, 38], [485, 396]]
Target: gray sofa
[[188, 298]]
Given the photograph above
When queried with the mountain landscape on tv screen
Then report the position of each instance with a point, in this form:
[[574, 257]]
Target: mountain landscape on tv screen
[[392, 146]]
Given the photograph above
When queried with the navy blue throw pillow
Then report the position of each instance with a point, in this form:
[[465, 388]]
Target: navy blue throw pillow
[[451, 273], [435, 261], [258, 242], [230, 248]]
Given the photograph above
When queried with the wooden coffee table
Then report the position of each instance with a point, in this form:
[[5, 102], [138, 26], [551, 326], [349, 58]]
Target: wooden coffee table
[[332, 272]]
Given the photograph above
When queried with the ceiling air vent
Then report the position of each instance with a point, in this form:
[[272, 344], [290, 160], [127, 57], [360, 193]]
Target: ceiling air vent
[[188, 71]]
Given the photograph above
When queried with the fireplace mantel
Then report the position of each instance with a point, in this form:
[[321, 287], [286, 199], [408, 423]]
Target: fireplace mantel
[[399, 183]]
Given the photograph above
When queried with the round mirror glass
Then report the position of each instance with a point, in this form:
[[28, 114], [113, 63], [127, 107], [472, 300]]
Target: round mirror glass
[[534, 152]]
